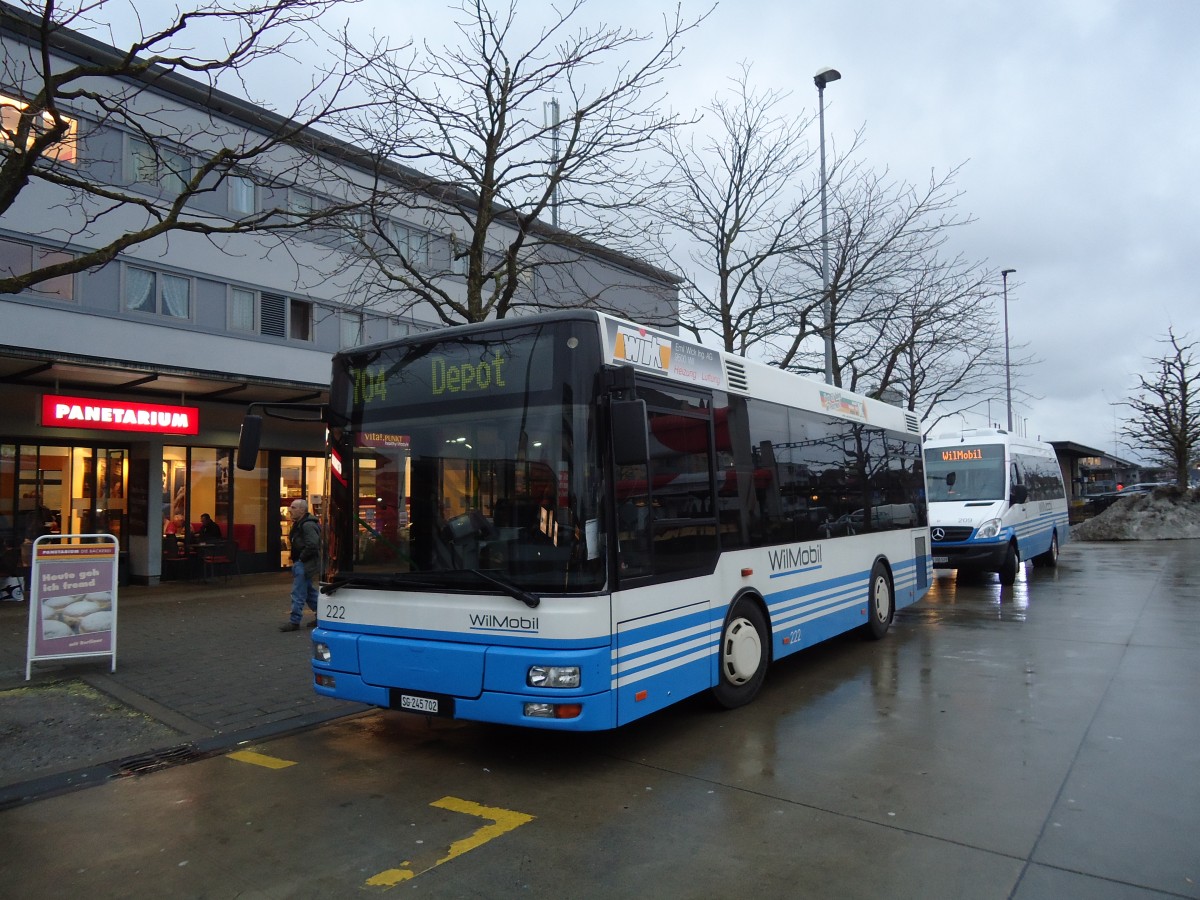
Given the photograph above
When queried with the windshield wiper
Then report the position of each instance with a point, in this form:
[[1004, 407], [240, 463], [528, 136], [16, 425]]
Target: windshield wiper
[[403, 581], [517, 593]]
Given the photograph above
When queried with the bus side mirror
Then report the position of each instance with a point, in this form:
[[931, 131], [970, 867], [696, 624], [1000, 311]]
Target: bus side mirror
[[248, 441], [1020, 493], [630, 435]]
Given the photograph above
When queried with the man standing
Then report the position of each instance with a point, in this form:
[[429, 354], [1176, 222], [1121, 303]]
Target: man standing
[[305, 542]]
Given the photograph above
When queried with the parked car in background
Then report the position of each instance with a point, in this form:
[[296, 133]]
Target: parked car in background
[[1097, 503]]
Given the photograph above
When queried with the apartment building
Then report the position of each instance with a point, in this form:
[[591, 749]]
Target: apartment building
[[122, 388]]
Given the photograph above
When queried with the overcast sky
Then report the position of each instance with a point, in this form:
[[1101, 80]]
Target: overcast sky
[[1078, 122]]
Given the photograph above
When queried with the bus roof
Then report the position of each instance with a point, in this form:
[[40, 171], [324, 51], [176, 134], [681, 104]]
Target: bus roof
[[659, 353]]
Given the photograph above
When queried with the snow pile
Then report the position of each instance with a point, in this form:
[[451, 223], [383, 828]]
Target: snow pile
[[1166, 514]]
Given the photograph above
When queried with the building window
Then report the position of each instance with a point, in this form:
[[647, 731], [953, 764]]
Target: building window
[[352, 327], [241, 310], [158, 167], [63, 150], [458, 257], [158, 293], [301, 203], [412, 244], [17, 258], [300, 320], [241, 195]]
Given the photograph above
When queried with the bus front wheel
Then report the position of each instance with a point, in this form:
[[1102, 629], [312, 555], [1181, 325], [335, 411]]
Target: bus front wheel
[[1010, 567], [744, 654], [881, 603]]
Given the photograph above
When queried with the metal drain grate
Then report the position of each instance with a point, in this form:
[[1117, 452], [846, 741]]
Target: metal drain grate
[[158, 759]]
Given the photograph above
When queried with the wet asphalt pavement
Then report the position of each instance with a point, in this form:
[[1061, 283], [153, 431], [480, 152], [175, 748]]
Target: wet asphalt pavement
[[1036, 741]]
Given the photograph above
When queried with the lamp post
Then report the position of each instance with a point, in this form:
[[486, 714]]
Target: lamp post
[[822, 78], [1004, 273]]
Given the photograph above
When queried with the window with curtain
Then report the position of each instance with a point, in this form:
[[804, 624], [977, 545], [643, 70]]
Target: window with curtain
[[158, 293], [352, 325], [241, 195], [241, 310]]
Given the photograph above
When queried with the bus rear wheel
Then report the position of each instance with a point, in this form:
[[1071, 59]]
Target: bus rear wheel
[[1011, 566], [1049, 559], [881, 603], [744, 654]]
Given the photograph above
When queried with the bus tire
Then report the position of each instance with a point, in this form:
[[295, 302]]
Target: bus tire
[[881, 603], [1011, 566], [743, 656], [1049, 559]]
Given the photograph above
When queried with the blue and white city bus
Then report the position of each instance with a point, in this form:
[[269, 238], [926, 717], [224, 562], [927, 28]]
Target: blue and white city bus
[[570, 521]]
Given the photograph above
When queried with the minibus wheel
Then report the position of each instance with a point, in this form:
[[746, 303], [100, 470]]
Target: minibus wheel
[[881, 603], [743, 656], [1010, 567], [1049, 559]]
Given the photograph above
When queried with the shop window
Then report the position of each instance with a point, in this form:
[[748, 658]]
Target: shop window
[[158, 293], [62, 150], [250, 505], [61, 490], [19, 258]]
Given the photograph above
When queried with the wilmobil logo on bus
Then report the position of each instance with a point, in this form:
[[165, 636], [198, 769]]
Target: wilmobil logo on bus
[[786, 559], [491, 622]]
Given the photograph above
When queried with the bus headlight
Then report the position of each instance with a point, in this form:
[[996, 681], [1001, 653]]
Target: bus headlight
[[321, 651], [988, 529], [553, 677]]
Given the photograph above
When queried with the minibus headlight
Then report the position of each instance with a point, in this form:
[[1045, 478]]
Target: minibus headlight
[[321, 651], [553, 676], [988, 529]]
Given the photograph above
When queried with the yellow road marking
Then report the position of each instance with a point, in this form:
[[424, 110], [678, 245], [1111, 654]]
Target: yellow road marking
[[501, 821], [260, 759]]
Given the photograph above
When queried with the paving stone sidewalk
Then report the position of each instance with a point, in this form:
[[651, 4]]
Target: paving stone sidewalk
[[199, 666]]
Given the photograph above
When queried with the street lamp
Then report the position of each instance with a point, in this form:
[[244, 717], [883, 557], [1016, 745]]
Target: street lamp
[[1004, 273], [822, 78]]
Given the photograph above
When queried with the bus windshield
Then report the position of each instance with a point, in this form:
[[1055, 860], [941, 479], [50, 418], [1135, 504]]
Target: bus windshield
[[965, 472], [468, 463]]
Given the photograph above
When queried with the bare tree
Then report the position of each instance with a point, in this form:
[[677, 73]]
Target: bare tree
[[494, 166], [734, 202], [74, 89], [884, 236], [1165, 413]]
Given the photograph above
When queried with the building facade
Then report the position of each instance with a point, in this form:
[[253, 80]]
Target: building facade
[[122, 388]]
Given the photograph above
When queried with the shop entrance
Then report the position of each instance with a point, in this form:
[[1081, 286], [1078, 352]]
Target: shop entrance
[[300, 477]]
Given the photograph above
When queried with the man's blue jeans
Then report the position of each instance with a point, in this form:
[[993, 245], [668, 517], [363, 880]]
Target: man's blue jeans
[[303, 592]]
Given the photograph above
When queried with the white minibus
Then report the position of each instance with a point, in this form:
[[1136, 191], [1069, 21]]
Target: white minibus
[[995, 500]]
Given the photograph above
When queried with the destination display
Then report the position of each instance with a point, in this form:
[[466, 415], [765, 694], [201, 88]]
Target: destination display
[[496, 367], [968, 454]]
